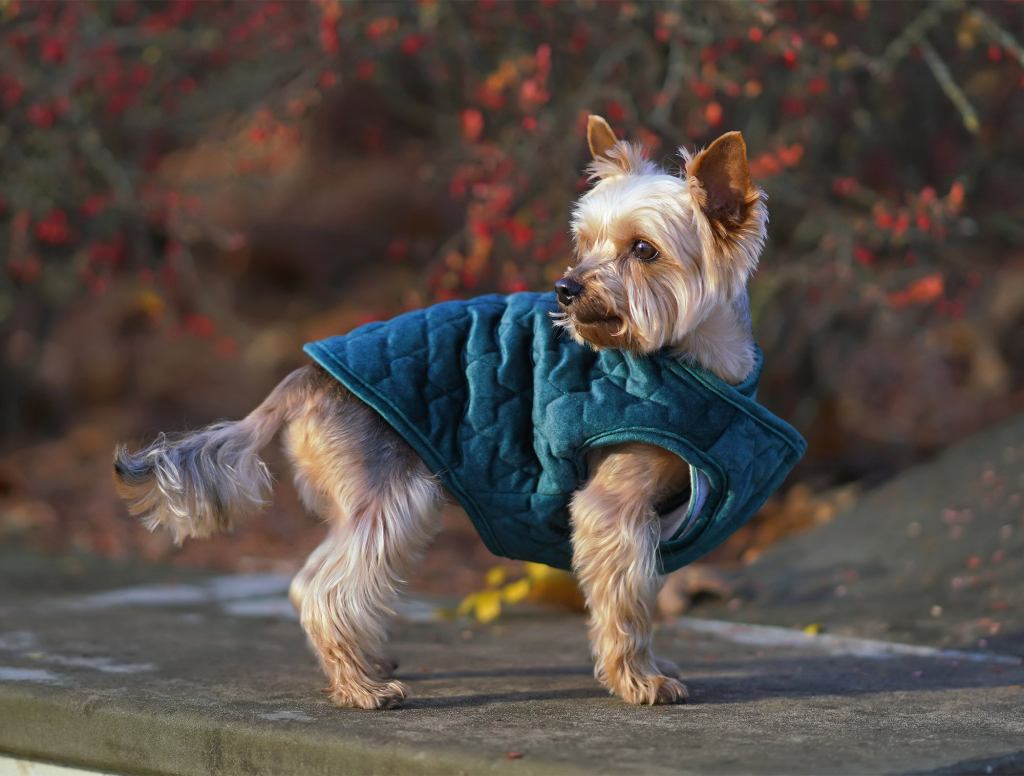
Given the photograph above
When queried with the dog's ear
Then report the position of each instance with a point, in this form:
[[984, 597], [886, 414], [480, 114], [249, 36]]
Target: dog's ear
[[600, 137], [611, 156], [724, 177]]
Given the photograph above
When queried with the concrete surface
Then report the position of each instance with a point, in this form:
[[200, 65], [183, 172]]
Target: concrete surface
[[935, 556], [134, 670], [211, 676]]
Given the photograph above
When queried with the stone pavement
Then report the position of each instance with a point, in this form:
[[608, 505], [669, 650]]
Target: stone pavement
[[142, 670]]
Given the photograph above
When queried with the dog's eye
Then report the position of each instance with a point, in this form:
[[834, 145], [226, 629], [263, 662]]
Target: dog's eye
[[643, 251]]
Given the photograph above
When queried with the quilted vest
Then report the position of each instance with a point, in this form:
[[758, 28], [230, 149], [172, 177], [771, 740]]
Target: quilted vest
[[504, 408]]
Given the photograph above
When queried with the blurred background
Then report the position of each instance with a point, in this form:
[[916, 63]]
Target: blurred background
[[191, 190]]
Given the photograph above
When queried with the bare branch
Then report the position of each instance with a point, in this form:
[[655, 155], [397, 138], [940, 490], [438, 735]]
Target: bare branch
[[997, 34], [914, 32], [949, 86]]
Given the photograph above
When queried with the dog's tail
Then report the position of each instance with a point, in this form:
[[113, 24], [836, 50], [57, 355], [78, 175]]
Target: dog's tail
[[202, 483]]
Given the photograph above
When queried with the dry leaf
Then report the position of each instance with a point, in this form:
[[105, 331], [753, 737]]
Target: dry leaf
[[516, 591], [496, 576]]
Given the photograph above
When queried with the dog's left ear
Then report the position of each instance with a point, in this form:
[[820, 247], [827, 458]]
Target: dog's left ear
[[600, 137], [612, 157], [724, 177]]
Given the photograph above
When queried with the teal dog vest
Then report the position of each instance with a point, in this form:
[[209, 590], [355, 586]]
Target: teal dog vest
[[504, 408]]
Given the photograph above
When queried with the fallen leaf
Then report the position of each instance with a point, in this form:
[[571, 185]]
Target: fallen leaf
[[516, 591], [488, 605], [496, 576]]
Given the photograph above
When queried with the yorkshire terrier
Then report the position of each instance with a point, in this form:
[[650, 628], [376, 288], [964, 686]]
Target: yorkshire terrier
[[661, 264]]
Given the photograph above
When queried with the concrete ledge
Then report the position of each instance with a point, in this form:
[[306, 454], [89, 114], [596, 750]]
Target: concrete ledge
[[11, 766], [138, 738], [213, 677]]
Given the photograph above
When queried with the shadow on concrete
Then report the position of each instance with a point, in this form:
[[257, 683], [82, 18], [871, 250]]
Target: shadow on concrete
[[792, 677], [1000, 765], [485, 699], [497, 672], [803, 676]]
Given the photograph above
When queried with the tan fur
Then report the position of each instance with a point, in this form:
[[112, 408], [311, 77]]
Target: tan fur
[[600, 137], [693, 298], [379, 500], [615, 534], [203, 483]]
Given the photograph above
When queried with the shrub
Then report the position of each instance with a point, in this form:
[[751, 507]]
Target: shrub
[[887, 135]]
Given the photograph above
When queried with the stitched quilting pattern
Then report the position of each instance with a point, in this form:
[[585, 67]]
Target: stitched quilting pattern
[[503, 408]]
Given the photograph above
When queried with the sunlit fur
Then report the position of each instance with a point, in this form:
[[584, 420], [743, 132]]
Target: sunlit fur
[[202, 483], [615, 535], [380, 504], [693, 297], [379, 501]]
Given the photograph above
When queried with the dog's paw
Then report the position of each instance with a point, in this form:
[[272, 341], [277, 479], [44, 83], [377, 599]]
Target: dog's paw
[[652, 690], [376, 695]]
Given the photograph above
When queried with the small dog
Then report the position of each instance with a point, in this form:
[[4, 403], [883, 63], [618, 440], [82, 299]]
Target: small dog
[[661, 263]]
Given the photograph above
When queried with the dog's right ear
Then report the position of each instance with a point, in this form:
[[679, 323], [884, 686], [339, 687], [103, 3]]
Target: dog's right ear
[[600, 137]]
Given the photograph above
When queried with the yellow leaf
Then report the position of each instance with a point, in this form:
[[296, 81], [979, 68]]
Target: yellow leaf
[[539, 571], [488, 605], [813, 629], [558, 588], [467, 604], [496, 576], [516, 591]]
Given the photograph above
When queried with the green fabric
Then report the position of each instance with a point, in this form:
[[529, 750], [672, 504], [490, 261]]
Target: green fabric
[[503, 409]]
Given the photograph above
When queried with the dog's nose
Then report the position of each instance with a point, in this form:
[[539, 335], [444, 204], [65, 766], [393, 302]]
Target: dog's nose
[[568, 290]]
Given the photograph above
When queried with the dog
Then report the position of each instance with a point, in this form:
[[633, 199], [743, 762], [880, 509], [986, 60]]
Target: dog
[[661, 265]]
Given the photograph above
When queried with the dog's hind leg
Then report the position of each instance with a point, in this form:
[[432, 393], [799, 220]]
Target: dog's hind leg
[[300, 586], [380, 503]]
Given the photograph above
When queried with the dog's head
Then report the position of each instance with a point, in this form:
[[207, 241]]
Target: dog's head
[[656, 252]]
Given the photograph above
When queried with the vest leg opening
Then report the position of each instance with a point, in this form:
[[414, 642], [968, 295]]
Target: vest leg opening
[[678, 521]]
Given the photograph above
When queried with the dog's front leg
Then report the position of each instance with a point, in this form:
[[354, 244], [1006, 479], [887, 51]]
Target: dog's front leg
[[615, 537]]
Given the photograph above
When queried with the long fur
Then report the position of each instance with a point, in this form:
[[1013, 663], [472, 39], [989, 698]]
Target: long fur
[[615, 536], [693, 298], [379, 501], [202, 483]]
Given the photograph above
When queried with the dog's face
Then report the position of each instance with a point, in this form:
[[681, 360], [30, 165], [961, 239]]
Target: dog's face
[[656, 252]]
